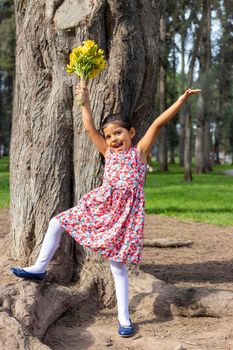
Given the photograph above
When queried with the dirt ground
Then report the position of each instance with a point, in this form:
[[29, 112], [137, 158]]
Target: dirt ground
[[207, 263]]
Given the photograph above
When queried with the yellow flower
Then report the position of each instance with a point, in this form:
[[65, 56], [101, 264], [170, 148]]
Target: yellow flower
[[86, 60], [102, 63], [89, 44], [94, 73]]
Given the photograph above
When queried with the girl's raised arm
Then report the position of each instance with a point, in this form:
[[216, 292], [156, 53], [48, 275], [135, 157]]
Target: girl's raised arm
[[88, 123], [146, 143]]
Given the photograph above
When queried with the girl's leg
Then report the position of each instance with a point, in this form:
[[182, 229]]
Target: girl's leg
[[120, 276], [49, 246]]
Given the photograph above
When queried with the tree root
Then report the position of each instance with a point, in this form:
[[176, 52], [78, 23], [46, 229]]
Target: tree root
[[13, 335], [166, 243], [38, 305], [159, 300], [29, 308]]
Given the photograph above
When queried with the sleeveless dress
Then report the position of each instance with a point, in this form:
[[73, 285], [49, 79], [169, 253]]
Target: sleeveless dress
[[110, 218]]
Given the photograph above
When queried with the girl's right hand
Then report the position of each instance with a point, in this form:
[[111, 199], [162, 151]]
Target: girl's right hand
[[81, 92]]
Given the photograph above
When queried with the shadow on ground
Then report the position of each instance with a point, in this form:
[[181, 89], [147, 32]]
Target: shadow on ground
[[209, 271]]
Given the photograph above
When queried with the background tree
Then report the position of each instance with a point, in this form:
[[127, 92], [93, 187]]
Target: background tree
[[167, 92], [203, 139], [7, 64], [173, 78], [184, 19], [162, 139], [188, 120], [224, 68]]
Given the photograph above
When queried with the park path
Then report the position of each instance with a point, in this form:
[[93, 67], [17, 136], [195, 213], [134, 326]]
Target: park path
[[228, 172]]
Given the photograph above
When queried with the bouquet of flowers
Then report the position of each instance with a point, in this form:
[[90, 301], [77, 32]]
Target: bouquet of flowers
[[87, 61]]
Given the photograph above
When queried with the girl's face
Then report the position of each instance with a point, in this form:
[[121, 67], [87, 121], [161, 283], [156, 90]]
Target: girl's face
[[117, 137]]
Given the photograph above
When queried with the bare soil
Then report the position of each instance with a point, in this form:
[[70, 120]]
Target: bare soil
[[207, 263]]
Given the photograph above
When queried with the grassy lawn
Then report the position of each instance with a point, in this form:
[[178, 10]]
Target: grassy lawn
[[208, 199]]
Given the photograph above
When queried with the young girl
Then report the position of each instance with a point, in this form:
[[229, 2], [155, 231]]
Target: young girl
[[110, 218]]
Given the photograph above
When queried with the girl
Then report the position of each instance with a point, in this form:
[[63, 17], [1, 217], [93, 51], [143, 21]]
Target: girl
[[110, 218]]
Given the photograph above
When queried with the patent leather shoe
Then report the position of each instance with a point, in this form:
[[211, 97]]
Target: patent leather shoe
[[28, 275], [126, 331]]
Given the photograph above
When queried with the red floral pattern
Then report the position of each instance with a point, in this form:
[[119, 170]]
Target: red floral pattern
[[110, 218]]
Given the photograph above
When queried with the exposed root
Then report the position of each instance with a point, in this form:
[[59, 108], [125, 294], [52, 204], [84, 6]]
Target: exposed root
[[166, 243], [33, 307]]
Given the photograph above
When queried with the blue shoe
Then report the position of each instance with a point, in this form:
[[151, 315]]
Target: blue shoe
[[126, 331], [24, 274]]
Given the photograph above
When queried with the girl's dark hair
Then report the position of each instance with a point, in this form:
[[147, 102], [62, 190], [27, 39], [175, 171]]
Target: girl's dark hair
[[116, 118]]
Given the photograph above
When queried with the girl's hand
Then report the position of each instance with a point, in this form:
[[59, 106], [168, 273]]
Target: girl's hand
[[188, 93], [81, 92]]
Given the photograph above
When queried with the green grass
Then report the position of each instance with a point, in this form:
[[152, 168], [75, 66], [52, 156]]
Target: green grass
[[208, 199], [4, 183]]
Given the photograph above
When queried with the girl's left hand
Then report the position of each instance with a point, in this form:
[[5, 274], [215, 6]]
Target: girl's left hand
[[188, 93]]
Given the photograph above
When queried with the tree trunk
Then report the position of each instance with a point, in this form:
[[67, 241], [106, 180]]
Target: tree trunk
[[188, 144], [207, 101], [162, 140], [172, 133], [203, 138], [207, 146], [199, 140], [182, 87], [216, 147], [172, 155], [53, 163], [1, 120], [188, 118]]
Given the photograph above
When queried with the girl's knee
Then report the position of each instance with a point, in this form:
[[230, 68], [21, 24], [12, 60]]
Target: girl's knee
[[55, 226], [54, 222]]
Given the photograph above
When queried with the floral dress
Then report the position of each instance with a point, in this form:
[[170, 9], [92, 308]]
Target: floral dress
[[110, 218]]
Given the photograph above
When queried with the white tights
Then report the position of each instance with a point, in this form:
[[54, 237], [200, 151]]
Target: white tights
[[119, 271]]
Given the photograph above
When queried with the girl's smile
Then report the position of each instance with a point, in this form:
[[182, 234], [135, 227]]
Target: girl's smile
[[118, 138]]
